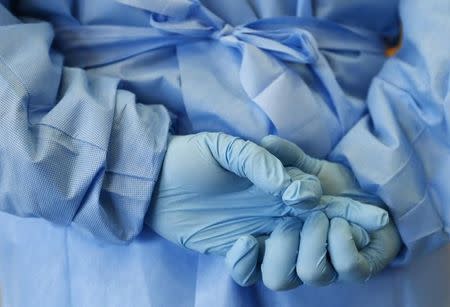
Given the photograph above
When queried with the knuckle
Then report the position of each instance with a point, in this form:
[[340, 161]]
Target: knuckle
[[277, 280], [347, 267], [277, 284], [309, 275]]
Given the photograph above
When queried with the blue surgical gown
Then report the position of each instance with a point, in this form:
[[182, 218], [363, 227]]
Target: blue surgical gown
[[300, 69]]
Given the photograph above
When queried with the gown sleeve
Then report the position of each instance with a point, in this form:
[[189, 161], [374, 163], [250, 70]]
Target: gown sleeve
[[401, 149], [74, 149]]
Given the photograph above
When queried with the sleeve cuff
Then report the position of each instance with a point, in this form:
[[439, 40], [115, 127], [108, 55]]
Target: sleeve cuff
[[134, 157]]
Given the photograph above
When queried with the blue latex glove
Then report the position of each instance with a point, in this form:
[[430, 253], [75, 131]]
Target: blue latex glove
[[218, 194], [349, 261], [215, 188]]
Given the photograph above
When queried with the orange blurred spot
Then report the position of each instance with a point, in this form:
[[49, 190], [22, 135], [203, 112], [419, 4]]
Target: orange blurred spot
[[391, 51]]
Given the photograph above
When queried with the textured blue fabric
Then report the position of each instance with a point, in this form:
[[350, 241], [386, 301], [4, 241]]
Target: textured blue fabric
[[84, 151], [68, 268]]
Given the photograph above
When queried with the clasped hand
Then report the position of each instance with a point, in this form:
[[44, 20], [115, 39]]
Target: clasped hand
[[271, 210]]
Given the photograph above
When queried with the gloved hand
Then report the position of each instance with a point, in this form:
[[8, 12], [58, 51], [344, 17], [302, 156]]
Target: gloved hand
[[349, 261], [275, 257], [218, 194]]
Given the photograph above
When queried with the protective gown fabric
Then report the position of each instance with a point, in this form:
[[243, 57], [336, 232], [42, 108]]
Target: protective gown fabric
[[404, 152], [156, 63], [274, 49], [74, 148]]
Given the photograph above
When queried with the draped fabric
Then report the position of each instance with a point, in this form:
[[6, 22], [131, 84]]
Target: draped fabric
[[279, 63]]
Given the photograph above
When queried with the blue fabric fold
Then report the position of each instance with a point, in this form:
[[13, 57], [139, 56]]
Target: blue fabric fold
[[272, 49]]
